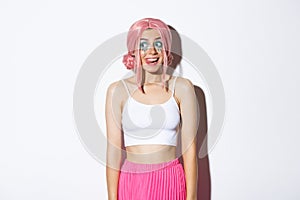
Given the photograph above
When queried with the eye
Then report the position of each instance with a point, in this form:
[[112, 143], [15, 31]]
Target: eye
[[144, 45], [158, 45]]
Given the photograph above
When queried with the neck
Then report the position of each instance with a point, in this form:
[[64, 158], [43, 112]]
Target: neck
[[153, 78]]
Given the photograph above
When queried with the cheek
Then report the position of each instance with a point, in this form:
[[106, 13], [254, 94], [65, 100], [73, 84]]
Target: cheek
[[162, 55], [142, 53], [159, 50]]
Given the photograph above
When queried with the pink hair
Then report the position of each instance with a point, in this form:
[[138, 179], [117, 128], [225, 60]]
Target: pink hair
[[133, 38]]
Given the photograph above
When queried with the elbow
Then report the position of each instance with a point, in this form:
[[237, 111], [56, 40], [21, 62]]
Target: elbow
[[113, 157]]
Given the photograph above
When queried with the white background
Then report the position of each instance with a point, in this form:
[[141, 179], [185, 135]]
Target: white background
[[254, 45]]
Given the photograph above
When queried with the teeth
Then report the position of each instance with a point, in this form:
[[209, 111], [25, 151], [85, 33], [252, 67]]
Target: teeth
[[152, 59]]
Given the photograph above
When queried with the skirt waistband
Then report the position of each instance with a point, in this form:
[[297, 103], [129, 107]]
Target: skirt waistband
[[133, 167]]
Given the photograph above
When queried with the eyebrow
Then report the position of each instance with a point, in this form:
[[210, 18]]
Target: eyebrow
[[147, 39]]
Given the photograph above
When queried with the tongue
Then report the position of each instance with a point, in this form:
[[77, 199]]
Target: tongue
[[154, 61], [151, 62]]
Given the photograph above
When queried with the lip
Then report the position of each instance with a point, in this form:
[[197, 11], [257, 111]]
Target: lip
[[150, 60]]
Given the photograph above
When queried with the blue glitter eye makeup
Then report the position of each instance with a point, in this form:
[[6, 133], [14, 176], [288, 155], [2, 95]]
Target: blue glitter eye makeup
[[144, 45], [158, 45]]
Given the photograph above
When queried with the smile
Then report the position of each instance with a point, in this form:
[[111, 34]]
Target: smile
[[151, 61]]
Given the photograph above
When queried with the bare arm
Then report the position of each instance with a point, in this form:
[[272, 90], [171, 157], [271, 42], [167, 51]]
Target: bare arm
[[189, 116], [114, 136]]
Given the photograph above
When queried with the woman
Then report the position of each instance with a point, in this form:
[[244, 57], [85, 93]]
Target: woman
[[148, 110]]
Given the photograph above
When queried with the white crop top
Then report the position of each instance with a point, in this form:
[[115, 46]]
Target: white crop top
[[150, 123]]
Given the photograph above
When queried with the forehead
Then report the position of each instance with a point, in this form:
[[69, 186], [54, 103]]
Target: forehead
[[150, 34]]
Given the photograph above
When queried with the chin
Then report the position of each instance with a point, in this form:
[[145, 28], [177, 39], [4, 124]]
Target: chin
[[152, 69]]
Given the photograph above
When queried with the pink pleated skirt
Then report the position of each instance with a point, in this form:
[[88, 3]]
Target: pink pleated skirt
[[161, 181]]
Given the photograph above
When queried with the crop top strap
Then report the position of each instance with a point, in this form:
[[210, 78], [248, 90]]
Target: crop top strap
[[173, 88], [127, 90]]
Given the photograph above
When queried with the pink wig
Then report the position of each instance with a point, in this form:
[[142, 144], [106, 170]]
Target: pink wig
[[133, 38]]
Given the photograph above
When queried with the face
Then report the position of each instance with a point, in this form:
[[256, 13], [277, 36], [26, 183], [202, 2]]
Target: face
[[151, 51]]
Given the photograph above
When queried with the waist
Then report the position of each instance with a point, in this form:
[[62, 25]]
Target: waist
[[150, 153], [134, 167]]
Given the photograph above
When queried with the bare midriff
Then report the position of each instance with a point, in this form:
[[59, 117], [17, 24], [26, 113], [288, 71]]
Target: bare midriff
[[151, 153]]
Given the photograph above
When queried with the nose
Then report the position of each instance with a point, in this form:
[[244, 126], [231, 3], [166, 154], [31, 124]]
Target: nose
[[152, 49]]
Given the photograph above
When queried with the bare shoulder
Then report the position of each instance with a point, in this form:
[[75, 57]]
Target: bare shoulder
[[114, 88], [184, 89], [183, 84]]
